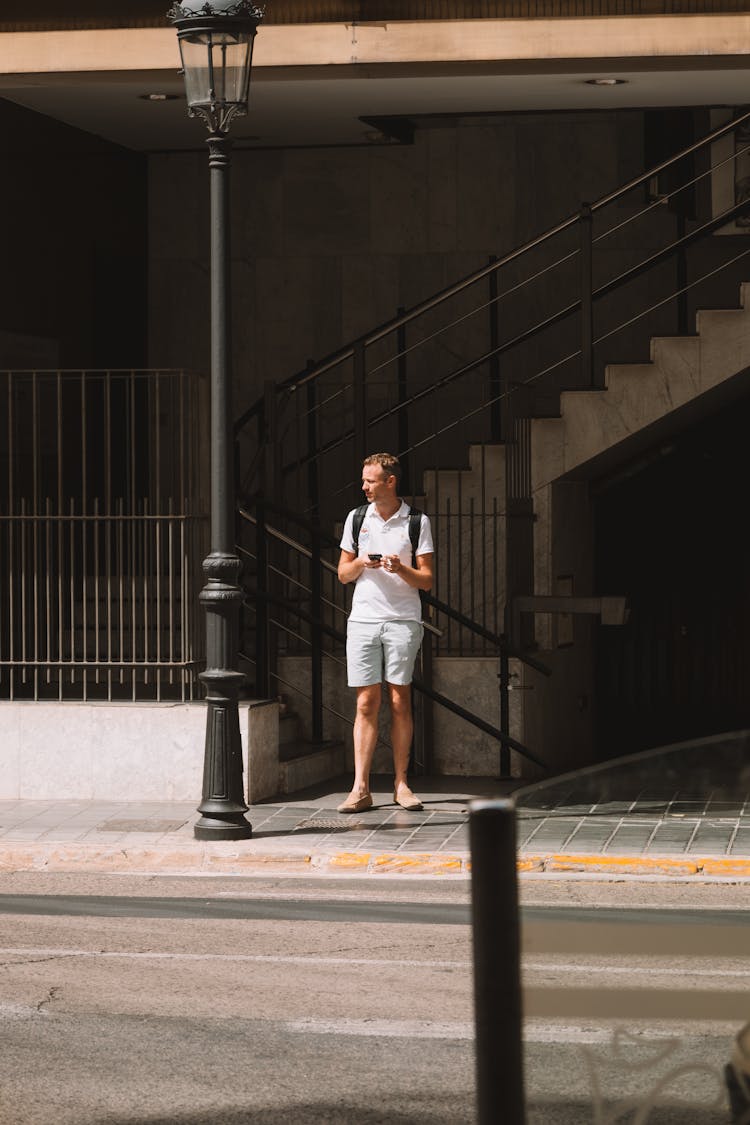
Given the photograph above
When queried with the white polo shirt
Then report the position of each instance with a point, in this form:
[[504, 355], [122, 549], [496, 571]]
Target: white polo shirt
[[378, 594]]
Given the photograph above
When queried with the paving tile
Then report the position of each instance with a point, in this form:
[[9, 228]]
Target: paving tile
[[629, 838], [741, 842], [587, 841]]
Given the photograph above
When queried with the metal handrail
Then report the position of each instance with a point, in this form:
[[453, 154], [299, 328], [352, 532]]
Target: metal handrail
[[295, 382], [498, 640], [554, 318], [323, 438], [505, 739]]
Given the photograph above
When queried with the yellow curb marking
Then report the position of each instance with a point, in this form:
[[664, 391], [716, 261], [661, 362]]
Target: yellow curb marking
[[725, 867], [532, 863], [641, 864], [350, 859], [249, 860], [434, 863]]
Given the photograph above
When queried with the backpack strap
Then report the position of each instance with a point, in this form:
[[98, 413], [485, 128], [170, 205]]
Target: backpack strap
[[415, 523], [357, 521]]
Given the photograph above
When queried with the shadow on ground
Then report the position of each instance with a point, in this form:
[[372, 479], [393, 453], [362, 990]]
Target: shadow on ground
[[319, 1113], [315, 1113]]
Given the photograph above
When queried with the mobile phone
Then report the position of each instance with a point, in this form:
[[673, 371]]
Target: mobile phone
[[374, 558]]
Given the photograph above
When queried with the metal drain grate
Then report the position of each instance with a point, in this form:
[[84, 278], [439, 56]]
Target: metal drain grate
[[328, 824]]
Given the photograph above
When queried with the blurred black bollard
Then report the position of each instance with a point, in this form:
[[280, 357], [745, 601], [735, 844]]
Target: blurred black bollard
[[497, 971]]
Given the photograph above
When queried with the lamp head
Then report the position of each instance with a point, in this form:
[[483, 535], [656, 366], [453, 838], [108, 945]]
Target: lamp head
[[216, 46]]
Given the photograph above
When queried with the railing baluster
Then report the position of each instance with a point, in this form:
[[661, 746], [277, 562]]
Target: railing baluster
[[587, 288], [493, 312], [402, 424], [313, 479], [262, 671], [316, 635], [359, 383]]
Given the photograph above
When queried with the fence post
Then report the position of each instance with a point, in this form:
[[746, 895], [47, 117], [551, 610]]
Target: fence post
[[316, 634], [402, 423], [587, 311], [495, 387], [313, 484], [497, 976], [504, 685], [424, 730], [262, 670], [269, 439]]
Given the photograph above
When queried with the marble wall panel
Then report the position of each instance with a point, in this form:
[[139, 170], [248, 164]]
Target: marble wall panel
[[486, 188], [327, 203], [257, 202], [443, 201], [106, 751], [178, 202], [384, 227], [399, 193], [369, 292], [179, 328]]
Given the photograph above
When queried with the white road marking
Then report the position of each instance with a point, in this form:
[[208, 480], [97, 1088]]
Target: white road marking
[[389, 1029], [528, 964], [271, 958], [533, 1031]]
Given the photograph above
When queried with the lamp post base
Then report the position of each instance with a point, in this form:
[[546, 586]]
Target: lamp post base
[[222, 807], [210, 828]]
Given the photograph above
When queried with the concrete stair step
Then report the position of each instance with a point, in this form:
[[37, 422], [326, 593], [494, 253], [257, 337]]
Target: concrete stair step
[[638, 394], [302, 764], [454, 489], [289, 728]]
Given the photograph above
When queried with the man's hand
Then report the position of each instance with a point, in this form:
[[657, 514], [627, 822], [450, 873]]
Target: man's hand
[[420, 577], [351, 566]]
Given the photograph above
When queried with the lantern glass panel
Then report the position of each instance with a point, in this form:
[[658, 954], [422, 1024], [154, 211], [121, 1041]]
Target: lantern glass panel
[[217, 67]]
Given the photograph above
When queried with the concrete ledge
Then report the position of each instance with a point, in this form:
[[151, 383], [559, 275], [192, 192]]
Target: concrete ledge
[[52, 751]]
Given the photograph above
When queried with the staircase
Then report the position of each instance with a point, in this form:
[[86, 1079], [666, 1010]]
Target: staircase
[[638, 395], [500, 416], [639, 405]]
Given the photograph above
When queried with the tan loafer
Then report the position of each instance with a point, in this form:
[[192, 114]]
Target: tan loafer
[[359, 805], [407, 800]]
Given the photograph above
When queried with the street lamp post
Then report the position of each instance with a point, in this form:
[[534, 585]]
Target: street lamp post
[[216, 47]]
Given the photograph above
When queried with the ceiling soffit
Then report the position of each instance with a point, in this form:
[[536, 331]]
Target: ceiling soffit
[[151, 13]]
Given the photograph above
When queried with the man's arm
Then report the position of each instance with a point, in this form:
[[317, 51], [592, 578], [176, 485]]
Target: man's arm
[[419, 576], [350, 567]]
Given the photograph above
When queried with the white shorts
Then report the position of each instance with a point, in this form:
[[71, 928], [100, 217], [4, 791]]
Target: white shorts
[[377, 650]]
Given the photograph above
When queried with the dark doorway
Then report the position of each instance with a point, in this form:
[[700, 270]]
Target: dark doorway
[[671, 534]]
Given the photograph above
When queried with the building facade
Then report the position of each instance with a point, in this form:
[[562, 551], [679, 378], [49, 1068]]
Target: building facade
[[390, 152]]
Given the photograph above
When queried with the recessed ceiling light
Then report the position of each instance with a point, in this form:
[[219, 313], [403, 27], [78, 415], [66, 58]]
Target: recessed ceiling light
[[606, 82], [159, 97]]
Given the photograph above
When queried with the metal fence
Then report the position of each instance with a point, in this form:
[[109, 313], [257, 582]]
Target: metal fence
[[103, 527]]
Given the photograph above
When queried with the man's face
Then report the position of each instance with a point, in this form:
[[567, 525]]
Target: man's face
[[377, 485]]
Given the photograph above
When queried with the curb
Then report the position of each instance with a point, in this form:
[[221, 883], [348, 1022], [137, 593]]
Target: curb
[[221, 859], [715, 866], [228, 859]]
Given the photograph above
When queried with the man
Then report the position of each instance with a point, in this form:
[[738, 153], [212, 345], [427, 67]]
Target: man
[[384, 631]]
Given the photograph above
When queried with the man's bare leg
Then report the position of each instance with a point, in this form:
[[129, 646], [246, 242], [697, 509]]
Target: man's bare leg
[[365, 737], [402, 732]]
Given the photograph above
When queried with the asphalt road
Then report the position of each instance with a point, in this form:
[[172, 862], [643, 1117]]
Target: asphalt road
[[208, 1001]]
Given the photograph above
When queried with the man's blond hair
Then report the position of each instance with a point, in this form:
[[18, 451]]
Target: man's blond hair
[[390, 464]]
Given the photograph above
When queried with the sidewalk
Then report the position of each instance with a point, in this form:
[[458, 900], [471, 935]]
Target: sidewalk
[[680, 811]]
